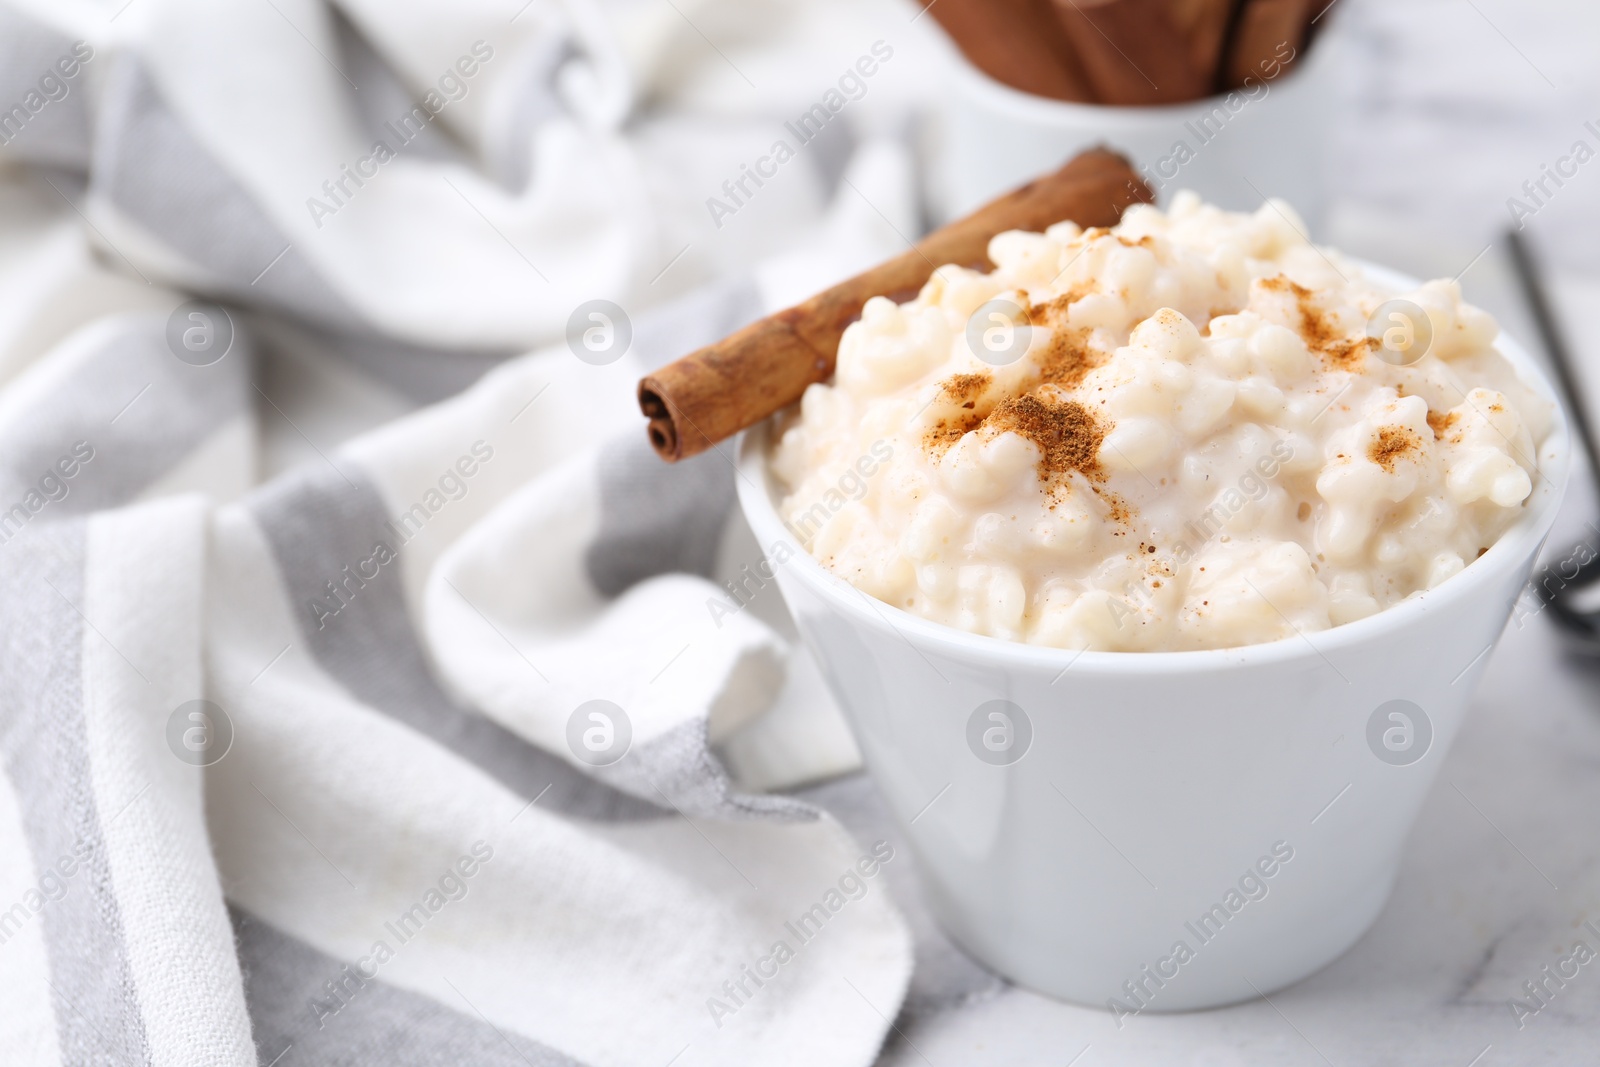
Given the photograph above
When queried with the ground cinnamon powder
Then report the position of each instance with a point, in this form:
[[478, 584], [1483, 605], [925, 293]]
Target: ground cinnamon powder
[[1441, 422], [965, 389], [1391, 444], [1053, 312], [1320, 333], [1067, 357], [1066, 433], [946, 432]]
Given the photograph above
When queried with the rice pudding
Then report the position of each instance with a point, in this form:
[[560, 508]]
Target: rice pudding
[[1193, 430]]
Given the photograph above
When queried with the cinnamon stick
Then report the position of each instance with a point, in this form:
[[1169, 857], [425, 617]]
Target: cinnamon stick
[[1133, 51], [1268, 36], [1204, 24], [1017, 42], [715, 392]]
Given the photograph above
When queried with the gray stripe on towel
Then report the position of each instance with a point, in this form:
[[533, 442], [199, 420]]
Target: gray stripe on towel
[[415, 371], [153, 169], [317, 524], [140, 408], [44, 742], [362, 1020], [156, 172], [57, 133], [709, 313], [657, 518], [679, 768]]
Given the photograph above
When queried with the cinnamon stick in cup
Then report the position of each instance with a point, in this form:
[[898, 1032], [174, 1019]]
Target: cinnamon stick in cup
[[1133, 51], [1018, 42], [1267, 37], [715, 392], [1204, 24]]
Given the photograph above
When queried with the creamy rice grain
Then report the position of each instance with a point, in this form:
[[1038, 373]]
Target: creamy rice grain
[[1190, 443]]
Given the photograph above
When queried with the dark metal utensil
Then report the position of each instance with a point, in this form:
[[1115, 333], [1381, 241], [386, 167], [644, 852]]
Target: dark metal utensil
[[1562, 586]]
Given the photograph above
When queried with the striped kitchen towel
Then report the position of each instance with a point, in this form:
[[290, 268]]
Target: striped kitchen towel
[[368, 693]]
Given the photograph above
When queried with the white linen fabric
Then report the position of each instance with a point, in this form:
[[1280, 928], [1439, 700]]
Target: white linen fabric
[[307, 591]]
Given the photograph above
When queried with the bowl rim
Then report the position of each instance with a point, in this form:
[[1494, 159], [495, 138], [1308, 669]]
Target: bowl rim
[[1522, 540]]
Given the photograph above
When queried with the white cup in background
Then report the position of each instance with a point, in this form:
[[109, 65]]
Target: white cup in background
[[1263, 141]]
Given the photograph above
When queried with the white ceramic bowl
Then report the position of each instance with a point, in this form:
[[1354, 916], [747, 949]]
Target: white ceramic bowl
[[1134, 791], [1266, 141]]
